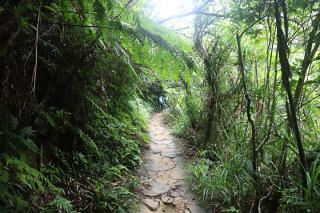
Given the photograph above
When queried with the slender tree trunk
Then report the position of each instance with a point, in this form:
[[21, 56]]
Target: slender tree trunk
[[212, 102], [253, 129], [188, 92], [285, 67], [209, 122], [247, 96], [307, 60]]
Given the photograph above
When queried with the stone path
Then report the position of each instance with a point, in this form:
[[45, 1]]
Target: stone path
[[163, 188]]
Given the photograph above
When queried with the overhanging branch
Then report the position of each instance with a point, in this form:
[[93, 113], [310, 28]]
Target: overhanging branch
[[251, 25], [193, 12]]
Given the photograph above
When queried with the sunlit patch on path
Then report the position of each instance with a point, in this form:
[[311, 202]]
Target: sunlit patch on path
[[163, 188]]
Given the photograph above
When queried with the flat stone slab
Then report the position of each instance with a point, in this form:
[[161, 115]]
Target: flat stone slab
[[159, 163], [151, 204], [178, 172], [166, 199], [194, 208], [163, 174], [144, 209], [154, 188], [167, 209], [169, 154], [155, 151]]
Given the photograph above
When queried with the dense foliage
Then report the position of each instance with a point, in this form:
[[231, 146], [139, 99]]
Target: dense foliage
[[74, 102], [254, 107]]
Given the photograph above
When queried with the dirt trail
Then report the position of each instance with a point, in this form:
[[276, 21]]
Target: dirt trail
[[164, 189]]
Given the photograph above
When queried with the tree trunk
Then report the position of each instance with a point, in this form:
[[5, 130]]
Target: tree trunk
[[190, 114], [253, 129], [253, 142], [285, 67], [307, 60]]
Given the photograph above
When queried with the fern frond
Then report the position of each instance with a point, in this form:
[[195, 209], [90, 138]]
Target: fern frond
[[28, 143], [4, 175], [49, 118], [88, 141], [99, 10], [62, 204], [27, 131], [13, 123], [175, 47]]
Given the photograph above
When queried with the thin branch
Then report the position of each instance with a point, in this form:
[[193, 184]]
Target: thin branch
[[305, 103], [70, 11], [263, 198], [81, 25], [205, 4], [311, 49], [183, 28], [35, 68], [128, 3], [193, 12], [251, 25], [184, 35]]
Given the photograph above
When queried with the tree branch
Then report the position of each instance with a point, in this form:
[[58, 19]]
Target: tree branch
[[130, 3], [193, 12], [35, 68], [251, 25], [311, 49], [183, 28], [81, 25]]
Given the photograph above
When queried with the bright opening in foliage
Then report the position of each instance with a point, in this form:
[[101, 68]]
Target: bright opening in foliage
[[163, 9], [166, 8]]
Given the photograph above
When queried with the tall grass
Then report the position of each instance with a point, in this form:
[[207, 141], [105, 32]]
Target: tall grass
[[226, 181]]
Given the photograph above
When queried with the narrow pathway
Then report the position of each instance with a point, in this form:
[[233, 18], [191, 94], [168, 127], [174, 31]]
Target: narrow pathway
[[163, 188]]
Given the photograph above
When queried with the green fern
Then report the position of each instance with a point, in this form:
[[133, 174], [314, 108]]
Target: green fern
[[4, 175], [62, 204], [13, 124], [88, 141], [99, 10]]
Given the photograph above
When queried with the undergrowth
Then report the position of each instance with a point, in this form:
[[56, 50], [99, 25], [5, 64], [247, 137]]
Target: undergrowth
[[97, 180], [71, 141]]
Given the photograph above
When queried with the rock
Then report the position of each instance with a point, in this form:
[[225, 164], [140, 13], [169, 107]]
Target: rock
[[194, 208], [179, 203], [168, 209], [178, 193], [155, 189], [144, 209], [159, 163], [178, 172], [151, 204], [155, 151], [170, 155], [164, 174], [166, 199]]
